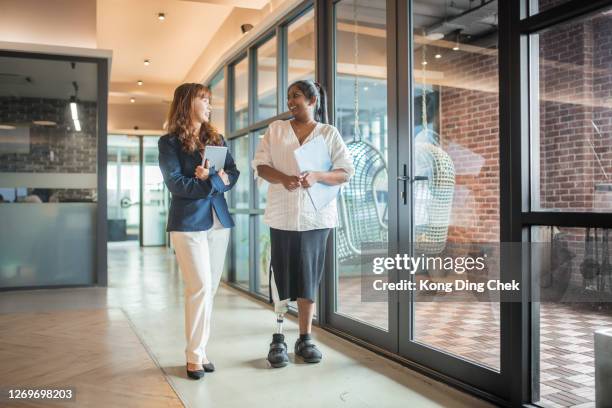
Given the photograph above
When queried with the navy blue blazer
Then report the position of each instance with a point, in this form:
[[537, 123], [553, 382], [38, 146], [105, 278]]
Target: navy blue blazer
[[193, 199]]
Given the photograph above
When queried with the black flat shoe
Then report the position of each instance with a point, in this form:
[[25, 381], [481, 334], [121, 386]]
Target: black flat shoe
[[209, 367], [277, 355], [196, 374], [307, 350]]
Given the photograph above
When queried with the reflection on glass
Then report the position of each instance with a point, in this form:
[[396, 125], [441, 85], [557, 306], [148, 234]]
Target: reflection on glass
[[266, 79], [455, 99], [301, 50], [262, 189], [241, 94], [48, 172], [573, 261], [217, 116], [263, 242], [361, 117], [154, 199], [242, 189], [538, 6], [123, 188], [571, 110], [240, 249]]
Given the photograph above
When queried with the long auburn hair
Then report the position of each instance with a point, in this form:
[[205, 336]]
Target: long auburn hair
[[180, 119]]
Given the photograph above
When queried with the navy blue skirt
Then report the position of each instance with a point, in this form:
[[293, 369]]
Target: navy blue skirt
[[297, 262]]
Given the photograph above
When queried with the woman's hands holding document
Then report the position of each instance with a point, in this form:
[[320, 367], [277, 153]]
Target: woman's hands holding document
[[203, 172], [290, 182], [309, 178]]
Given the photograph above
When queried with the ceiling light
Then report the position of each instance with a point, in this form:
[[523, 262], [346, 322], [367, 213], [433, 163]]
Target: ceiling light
[[424, 63], [161, 16], [132, 100], [438, 56], [77, 125], [7, 127], [456, 47], [140, 83], [44, 122], [73, 111], [246, 27], [147, 62]]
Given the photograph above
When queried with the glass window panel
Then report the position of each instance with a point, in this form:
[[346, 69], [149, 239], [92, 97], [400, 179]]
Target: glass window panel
[[242, 190], [155, 205], [538, 6], [240, 249], [123, 194], [569, 263], [301, 48], [217, 117], [571, 115], [262, 189], [266, 80], [48, 171], [361, 64], [263, 255], [241, 94], [456, 146]]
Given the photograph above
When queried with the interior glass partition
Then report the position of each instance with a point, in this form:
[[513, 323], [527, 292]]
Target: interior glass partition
[[361, 118], [571, 163], [123, 188], [217, 116], [48, 171], [455, 100]]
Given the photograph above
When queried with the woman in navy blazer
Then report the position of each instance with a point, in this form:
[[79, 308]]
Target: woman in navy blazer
[[199, 219]]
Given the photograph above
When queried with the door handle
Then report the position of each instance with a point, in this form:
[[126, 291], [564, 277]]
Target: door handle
[[405, 178]]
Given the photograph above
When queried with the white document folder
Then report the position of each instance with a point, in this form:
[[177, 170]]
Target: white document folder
[[314, 156]]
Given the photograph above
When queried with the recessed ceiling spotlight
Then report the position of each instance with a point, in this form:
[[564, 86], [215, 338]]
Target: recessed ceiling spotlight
[[140, 83], [438, 56], [8, 127], [132, 100], [424, 63], [246, 27], [147, 62], [161, 16], [44, 122]]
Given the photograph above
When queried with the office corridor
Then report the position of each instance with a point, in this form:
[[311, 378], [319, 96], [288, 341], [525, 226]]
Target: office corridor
[[145, 287]]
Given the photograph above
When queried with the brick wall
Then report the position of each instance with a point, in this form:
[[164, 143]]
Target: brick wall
[[73, 152], [575, 88]]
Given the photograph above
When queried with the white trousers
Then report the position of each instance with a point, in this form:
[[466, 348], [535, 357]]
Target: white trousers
[[200, 257]]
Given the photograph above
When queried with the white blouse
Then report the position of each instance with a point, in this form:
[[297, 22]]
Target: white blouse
[[293, 210]]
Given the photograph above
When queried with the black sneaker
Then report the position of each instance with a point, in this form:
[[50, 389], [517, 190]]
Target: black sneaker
[[277, 356], [306, 349]]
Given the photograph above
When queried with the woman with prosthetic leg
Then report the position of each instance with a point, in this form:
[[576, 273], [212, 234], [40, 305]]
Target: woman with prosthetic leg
[[298, 231]]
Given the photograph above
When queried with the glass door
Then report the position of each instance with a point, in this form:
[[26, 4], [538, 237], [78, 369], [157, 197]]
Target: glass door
[[426, 183], [366, 226], [452, 184]]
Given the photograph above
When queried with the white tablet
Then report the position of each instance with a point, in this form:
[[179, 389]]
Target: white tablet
[[215, 156]]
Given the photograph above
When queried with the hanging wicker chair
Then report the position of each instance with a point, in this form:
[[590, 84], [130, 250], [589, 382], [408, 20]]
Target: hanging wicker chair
[[363, 216], [433, 198]]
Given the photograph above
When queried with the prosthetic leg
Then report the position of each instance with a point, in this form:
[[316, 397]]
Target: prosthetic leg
[[277, 355]]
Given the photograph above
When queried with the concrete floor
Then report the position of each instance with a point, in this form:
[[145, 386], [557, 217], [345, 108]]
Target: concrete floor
[[145, 284]]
